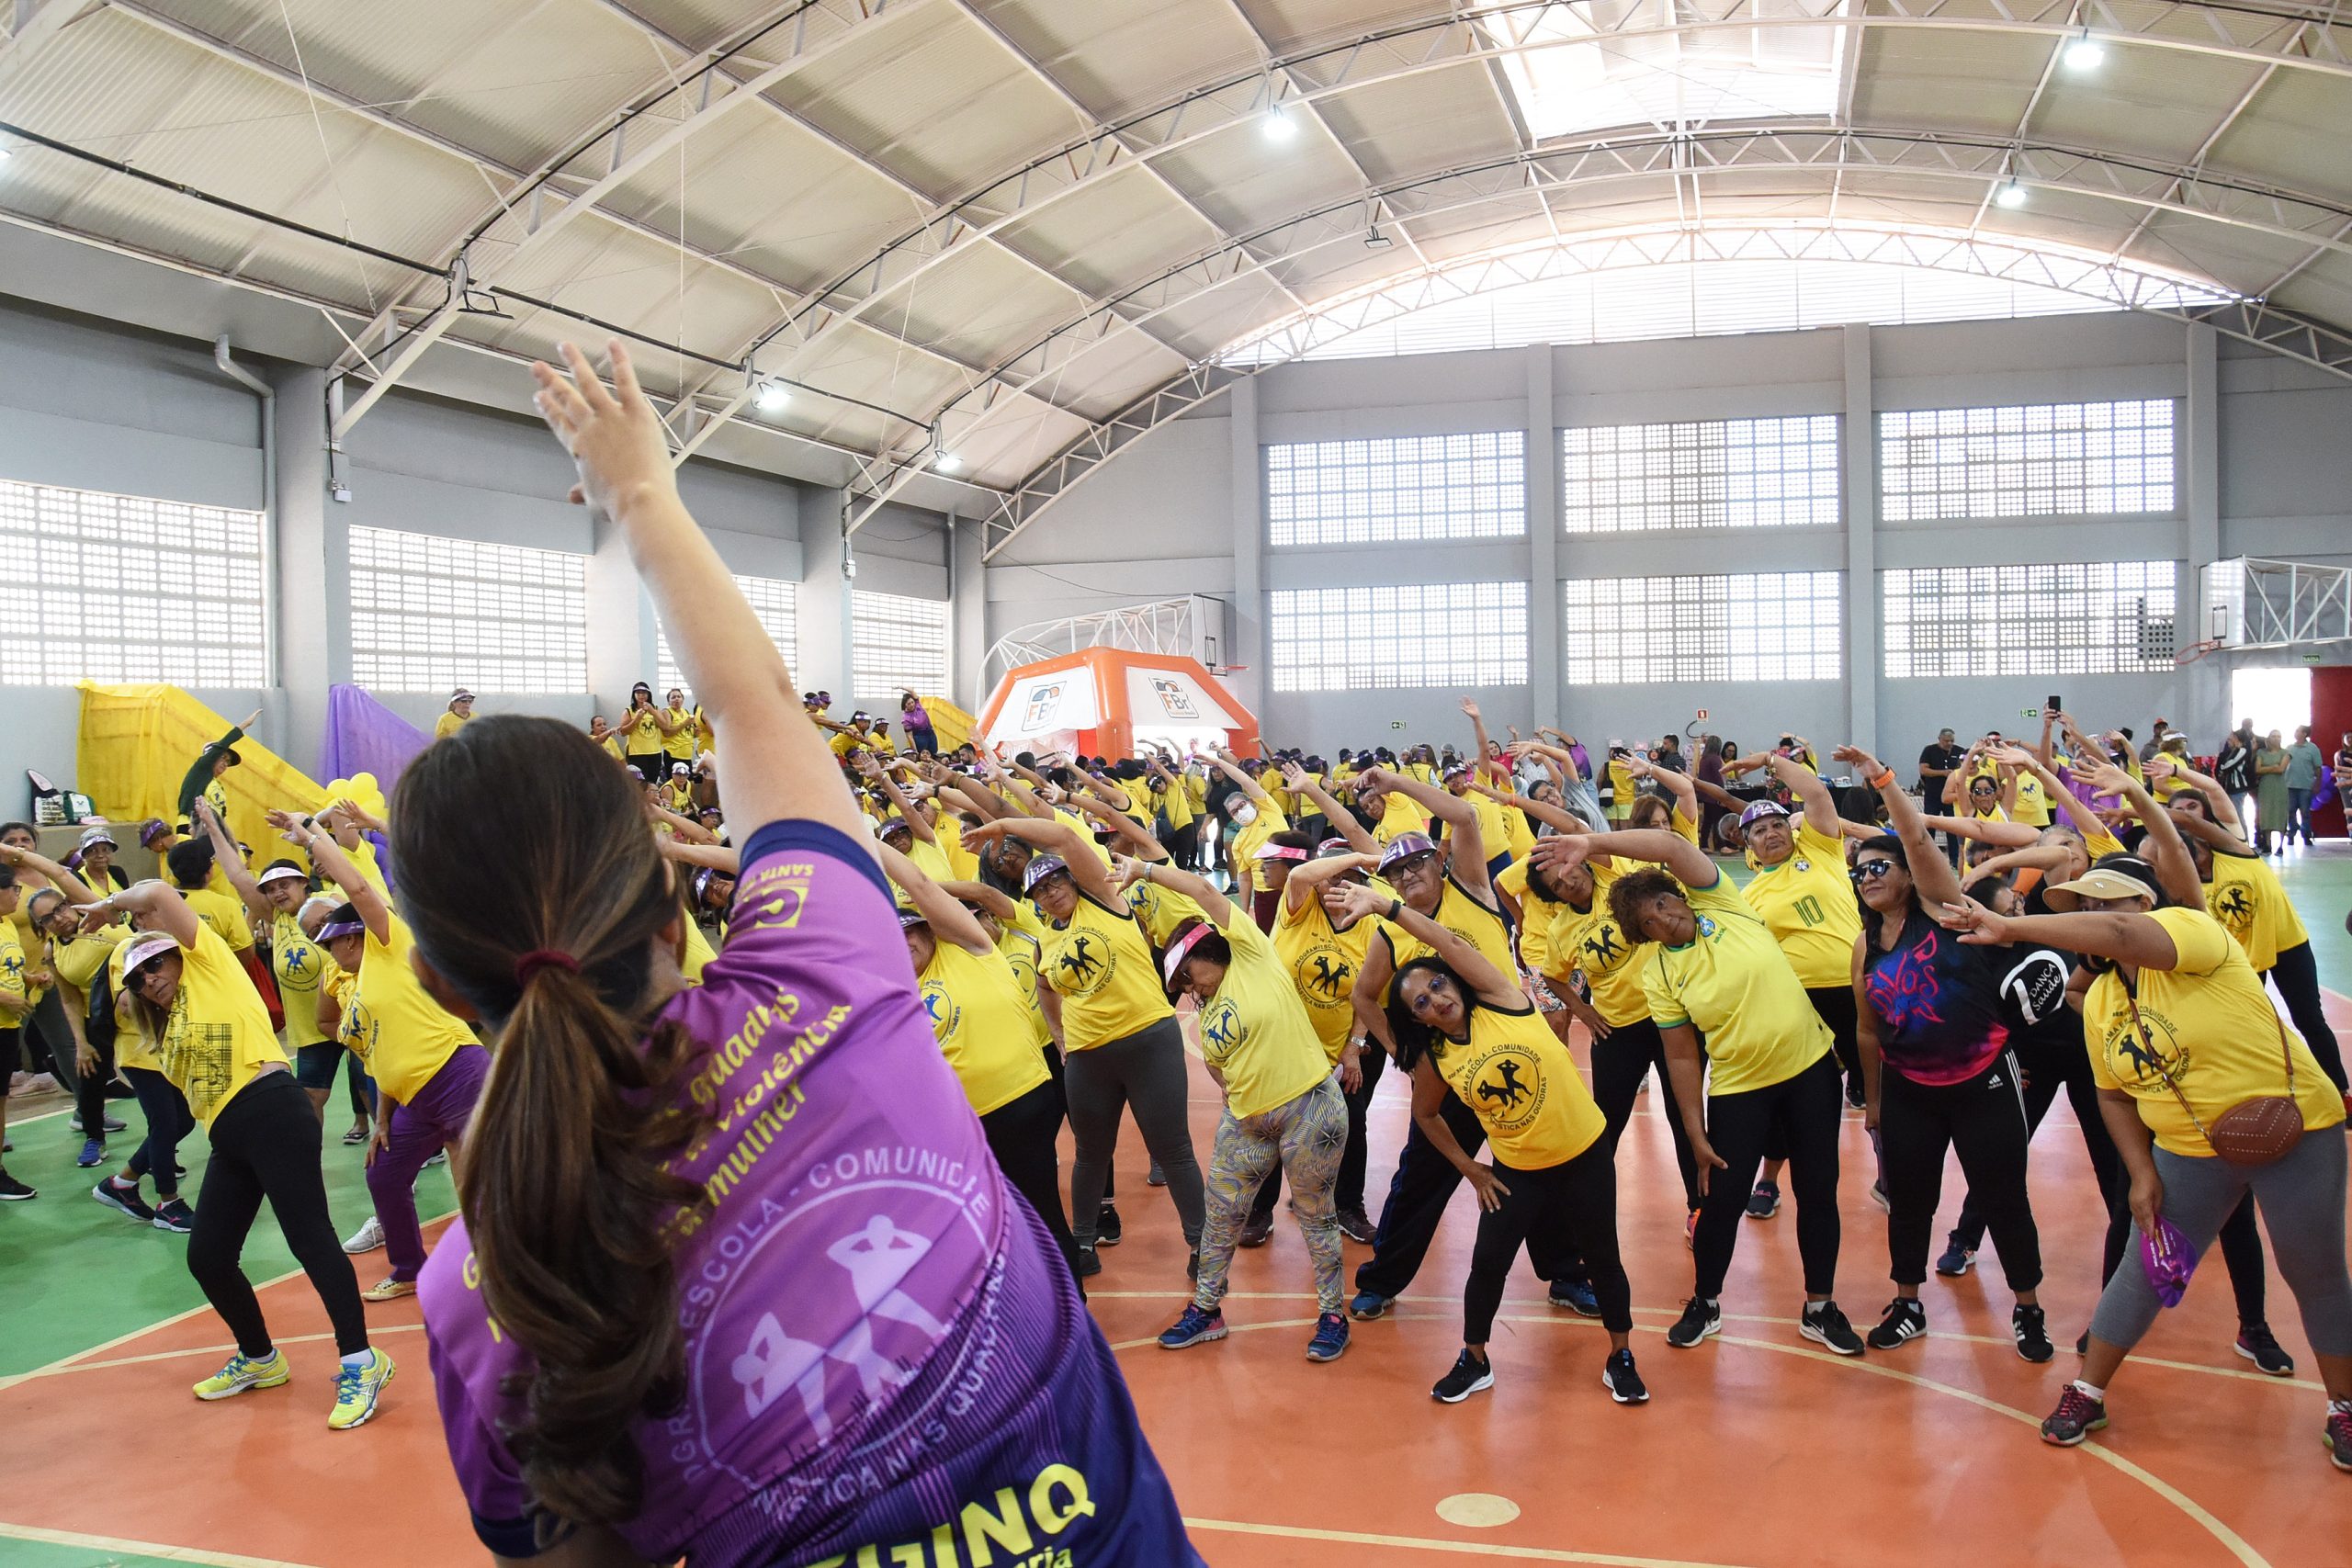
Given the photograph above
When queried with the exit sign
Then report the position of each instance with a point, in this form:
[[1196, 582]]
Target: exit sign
[[1703, 714], [2028, 713]]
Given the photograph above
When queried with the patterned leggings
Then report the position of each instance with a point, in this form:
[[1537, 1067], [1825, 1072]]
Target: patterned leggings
[[1306, 1138]]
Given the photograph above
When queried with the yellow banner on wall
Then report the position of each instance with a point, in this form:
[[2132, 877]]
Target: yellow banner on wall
[[137, 742], [950, 725]]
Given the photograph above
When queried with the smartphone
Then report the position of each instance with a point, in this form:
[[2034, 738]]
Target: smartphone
[[2055, 705]]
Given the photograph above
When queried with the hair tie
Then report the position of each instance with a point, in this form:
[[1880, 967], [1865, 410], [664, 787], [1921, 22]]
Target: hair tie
[[531, 963]]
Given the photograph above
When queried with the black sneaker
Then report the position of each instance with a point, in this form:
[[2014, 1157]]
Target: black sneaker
[[125, 1201], [174, 1216], [1256, 1232], [12, 1190], [2076, 1418], [1365, 1305], [1107, 1230], [1576, 1295], [1957, 1259], [1624, 1383], [2033, 1333], [2337, 1434], [1905, 1319], [1855, 1099], [1356, 1225], [1468, 1376], [2257, 1345], [1700, 1319], [1154, 1177], [1088, 1264], [1764, 1202], [1824, 1325]]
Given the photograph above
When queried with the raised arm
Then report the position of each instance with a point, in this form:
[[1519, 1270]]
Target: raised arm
[[771, 765], [987, 898], [1223, 760], [1055, 837], [1984, 830], [2166, 853], [2218, 804], [1307, 881], [717, 856], [1931, 874], [74, 889], [232, 865], [1663, 846], [157, 903], [1461, 824], [1479, 766], [685, 828], [1685, 790], [1475, 970], [338, 867], [878, 775], [1343, 822], [2134, 938], [2220, 840], [1131, 834], [1221, 910], [948, 920]]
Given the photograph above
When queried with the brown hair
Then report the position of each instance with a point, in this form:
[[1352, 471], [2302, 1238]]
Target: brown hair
[[510, 838], [1635, 888]]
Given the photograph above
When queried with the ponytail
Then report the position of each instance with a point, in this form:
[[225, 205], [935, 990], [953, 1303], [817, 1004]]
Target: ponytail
[[535, 890]]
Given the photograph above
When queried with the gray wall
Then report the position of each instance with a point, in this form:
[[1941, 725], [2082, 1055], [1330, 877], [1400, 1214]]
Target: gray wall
[[1182, 511]]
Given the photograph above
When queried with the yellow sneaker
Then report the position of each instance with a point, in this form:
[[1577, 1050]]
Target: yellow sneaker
[[243, 1372], [357, 1389], [389, 1289]]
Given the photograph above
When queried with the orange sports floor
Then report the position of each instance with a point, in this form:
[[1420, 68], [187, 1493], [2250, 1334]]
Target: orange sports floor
[[1757, 1449]]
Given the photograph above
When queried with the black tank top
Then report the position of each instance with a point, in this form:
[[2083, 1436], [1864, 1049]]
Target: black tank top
[[1938, 1002]]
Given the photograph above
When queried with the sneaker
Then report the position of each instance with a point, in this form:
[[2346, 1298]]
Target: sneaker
[[1700, 1319], [366, 1238], [355, 1135], [1107, 1229], [1256, 1231], [1765, 1201], [37, 1083], [388, 1288], [1088, 1264], [111, 1124], [2083, 1343], [1469, 1375], [94, 1152], [174, 1216], [1624, 1384], [1192, 1327], [1356, 1225], [2337, 1434], [1855, 1099], [1824, 1325], [1690, 1232], [124, 1201], [2256, 1344], [1906, 1320], [2076, 1418], [1330, 1337], [1957, 1259], [1576, 1295], [438, 1156], [243, 1373], [1154, 1176], [357, 1390], [2033, 1332], [12, 1190], [1365, 1305]]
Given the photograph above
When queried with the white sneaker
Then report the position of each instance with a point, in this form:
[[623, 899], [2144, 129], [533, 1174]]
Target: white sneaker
[[366, 1238]]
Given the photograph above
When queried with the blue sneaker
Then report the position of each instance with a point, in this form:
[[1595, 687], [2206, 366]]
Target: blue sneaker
[[1576, 1295], [1365, 1305], [1195, 1327], [1330, 1337], [93, 1151]]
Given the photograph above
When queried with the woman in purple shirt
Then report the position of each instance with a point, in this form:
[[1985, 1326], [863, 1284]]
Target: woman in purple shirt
[[737, 1279]]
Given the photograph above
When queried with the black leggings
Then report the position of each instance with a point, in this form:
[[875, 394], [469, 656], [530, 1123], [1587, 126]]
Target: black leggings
[[1417, 1195], [1348, 1192], [2051, 1058], [1802, 1115], [1020, 1133], [1835, 1004], [90, 1094], [266, 1144], [2295, 977], [1562, 1212], [167, 1122], [1983, 1119], [1618, 1065]]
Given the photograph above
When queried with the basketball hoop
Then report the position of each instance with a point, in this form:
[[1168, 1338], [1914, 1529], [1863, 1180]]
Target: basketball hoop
[[2195, 651]]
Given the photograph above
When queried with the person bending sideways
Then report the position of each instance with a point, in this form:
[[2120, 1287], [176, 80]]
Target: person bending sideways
[[2179, 1066], [737, 1279], [1716, 972]]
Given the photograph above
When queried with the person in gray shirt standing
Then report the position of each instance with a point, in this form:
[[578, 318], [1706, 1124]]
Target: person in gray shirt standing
[[2304, 763]]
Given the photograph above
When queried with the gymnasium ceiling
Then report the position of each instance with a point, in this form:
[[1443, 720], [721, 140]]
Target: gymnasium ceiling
[[972, 246]]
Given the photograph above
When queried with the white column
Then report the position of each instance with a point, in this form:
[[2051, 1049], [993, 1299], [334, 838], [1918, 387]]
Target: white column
[[1860, 479], [311, 554], [1544, 649], [2203, 684], [623, 630], [967, 588], [825, 629], [1248, 646]]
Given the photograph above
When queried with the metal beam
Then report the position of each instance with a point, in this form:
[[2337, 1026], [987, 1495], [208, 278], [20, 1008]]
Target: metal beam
[[26, 25]]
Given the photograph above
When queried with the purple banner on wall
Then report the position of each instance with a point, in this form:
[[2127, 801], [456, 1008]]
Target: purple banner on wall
[[365, 737]]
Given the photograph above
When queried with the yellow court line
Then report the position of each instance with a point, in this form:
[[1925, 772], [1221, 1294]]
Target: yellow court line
[[1461, 1548], [119, 1547]]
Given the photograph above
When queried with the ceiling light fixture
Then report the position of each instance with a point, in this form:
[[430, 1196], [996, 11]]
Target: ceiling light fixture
[[2085, 54], [2010, 194], [1279, 127], [774, 396], [948, 463], [1376, 240]]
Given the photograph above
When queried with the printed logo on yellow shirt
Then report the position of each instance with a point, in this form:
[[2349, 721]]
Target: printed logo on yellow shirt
[[1507, 1087], [1325, 974], [2234, 904], [1221, 1029], [2169, 1059], [945, 1015], [775, 901], [1706, 925], [1085, 966], [1604, 947]]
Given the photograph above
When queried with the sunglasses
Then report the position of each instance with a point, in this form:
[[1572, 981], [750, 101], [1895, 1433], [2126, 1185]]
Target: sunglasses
[[1870, 871]]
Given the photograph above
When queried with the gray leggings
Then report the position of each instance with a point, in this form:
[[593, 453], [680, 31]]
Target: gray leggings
[[1145, 1071], [2302, 1202]]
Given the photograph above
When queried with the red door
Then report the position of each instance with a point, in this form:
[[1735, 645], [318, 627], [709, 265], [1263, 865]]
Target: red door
[[2331, 721]]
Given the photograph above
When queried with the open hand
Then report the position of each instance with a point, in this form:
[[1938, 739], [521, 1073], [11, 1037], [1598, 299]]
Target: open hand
[[614, 436]]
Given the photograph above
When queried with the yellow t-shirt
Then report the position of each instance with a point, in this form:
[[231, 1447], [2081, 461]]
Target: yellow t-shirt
[[1591, 943], [76, 962], [963, 865], [1021, 951], [393, 1025], [1103, 967], [1524, 1086], [1622, 788], [1535, 915], [640, 732], [2032, 803], [12, 979], [2207, 1030], [133, 1046], [298, 964], [612, 745], [1399, 814], [1162, 910], [1482, 928], [1268, 822], [992, 1041], [1733, 984], [680, 745], [1323, 962], [1255, 1030], [1519, 834], [1808, 902], [224, 915], [217, 1038], [448, 724], [1176, 805], [1493, 836], [2245, 895], [697, 956]]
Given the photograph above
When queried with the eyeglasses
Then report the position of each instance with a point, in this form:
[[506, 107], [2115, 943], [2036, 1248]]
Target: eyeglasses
[[1870, 871], [1425, 1003]]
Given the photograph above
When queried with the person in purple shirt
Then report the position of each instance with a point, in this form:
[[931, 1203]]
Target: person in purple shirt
[[737, 1278]]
